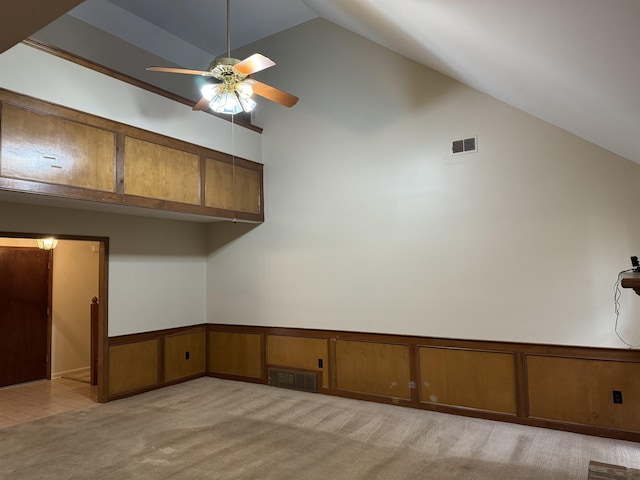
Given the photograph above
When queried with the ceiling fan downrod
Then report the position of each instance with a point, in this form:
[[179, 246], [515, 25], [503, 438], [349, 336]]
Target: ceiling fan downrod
[[228, 29]]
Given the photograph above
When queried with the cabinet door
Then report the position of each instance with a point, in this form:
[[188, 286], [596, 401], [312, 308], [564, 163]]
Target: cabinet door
[[232, 187], [49, 149], [156, 171]]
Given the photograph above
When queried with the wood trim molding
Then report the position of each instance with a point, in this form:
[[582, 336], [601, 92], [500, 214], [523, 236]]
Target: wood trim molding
[[377, 343], [32, 42], [570, 351], [155, 334], [158, 368], [519, 352]]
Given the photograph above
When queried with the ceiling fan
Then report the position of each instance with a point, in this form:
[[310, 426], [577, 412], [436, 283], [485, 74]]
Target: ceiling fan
[[231, 93]]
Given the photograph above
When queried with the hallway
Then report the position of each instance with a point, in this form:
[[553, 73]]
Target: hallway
[[31, 401]]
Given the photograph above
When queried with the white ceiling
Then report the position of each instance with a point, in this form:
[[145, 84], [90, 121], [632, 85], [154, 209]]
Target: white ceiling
[[573, 63]]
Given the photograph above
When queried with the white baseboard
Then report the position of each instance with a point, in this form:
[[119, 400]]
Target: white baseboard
[[77, 371]]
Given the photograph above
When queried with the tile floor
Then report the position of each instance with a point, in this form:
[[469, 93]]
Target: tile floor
[[34, 400]]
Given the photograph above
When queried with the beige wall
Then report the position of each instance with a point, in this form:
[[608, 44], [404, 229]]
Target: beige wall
[[371, 225], [75, 283]]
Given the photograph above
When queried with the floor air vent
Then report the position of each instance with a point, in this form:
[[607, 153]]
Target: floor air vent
[[293, 379]]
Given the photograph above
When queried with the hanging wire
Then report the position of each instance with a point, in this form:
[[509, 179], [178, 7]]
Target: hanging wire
[[233, 162], [616, 306], [233, 130]]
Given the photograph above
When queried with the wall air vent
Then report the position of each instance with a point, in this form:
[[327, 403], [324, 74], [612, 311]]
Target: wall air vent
[[464, 145], [305, 381]]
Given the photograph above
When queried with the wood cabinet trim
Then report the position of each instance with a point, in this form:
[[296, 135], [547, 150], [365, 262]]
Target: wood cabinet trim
[[78, 193], [522, 385], [120, 152], [118, 196]]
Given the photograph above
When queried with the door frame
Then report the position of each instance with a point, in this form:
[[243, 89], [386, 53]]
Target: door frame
[[103, 292]]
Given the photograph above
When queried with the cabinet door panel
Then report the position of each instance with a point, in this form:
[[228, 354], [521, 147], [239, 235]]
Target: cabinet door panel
[[156, 171], [373, 368], [53, 150], [232, 187], [468, 378], [184, 355], [235, 354]]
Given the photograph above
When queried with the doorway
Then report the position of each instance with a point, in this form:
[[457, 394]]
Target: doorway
[[25, 327], [70, 312]]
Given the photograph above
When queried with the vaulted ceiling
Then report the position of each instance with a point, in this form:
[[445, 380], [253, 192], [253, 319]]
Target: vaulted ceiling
[[573, 63]]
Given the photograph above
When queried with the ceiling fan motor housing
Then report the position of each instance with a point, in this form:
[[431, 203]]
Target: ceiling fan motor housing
[[222, 69]]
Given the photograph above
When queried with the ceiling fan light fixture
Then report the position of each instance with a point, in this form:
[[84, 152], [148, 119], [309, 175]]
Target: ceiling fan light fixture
[[247, 103], [210, 91], [243, 89], [244, 92], [226, 102]]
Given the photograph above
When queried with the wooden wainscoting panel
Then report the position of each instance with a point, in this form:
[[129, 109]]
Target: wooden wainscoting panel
[[468, 378], [156, 171], [373, 368], [53, 150], [232, 187], [235, 354], [184, 355], [581, 391], [133, 366], [298, 352]]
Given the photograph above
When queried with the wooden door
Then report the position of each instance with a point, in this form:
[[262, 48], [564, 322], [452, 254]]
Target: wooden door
[[24, 315]]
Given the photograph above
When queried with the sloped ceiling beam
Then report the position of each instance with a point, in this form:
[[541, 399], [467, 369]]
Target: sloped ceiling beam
[[21, 18]]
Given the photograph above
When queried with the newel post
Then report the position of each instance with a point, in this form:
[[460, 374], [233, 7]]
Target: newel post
[[94, 341]]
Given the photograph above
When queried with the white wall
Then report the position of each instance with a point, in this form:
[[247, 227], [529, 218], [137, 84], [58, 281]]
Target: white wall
[[156, 267], [371, 225]]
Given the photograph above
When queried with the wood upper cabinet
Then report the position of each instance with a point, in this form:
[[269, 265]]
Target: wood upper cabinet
[[232, 187], [53, 150], [47, 149], [156, 171]]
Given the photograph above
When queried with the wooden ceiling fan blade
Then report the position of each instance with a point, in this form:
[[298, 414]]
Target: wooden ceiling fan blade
[[180, 70], [202, 105], [272, 93], [253, 64]]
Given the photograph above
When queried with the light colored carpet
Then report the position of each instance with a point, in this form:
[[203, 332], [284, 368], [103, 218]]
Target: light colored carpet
[[218, 429]]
